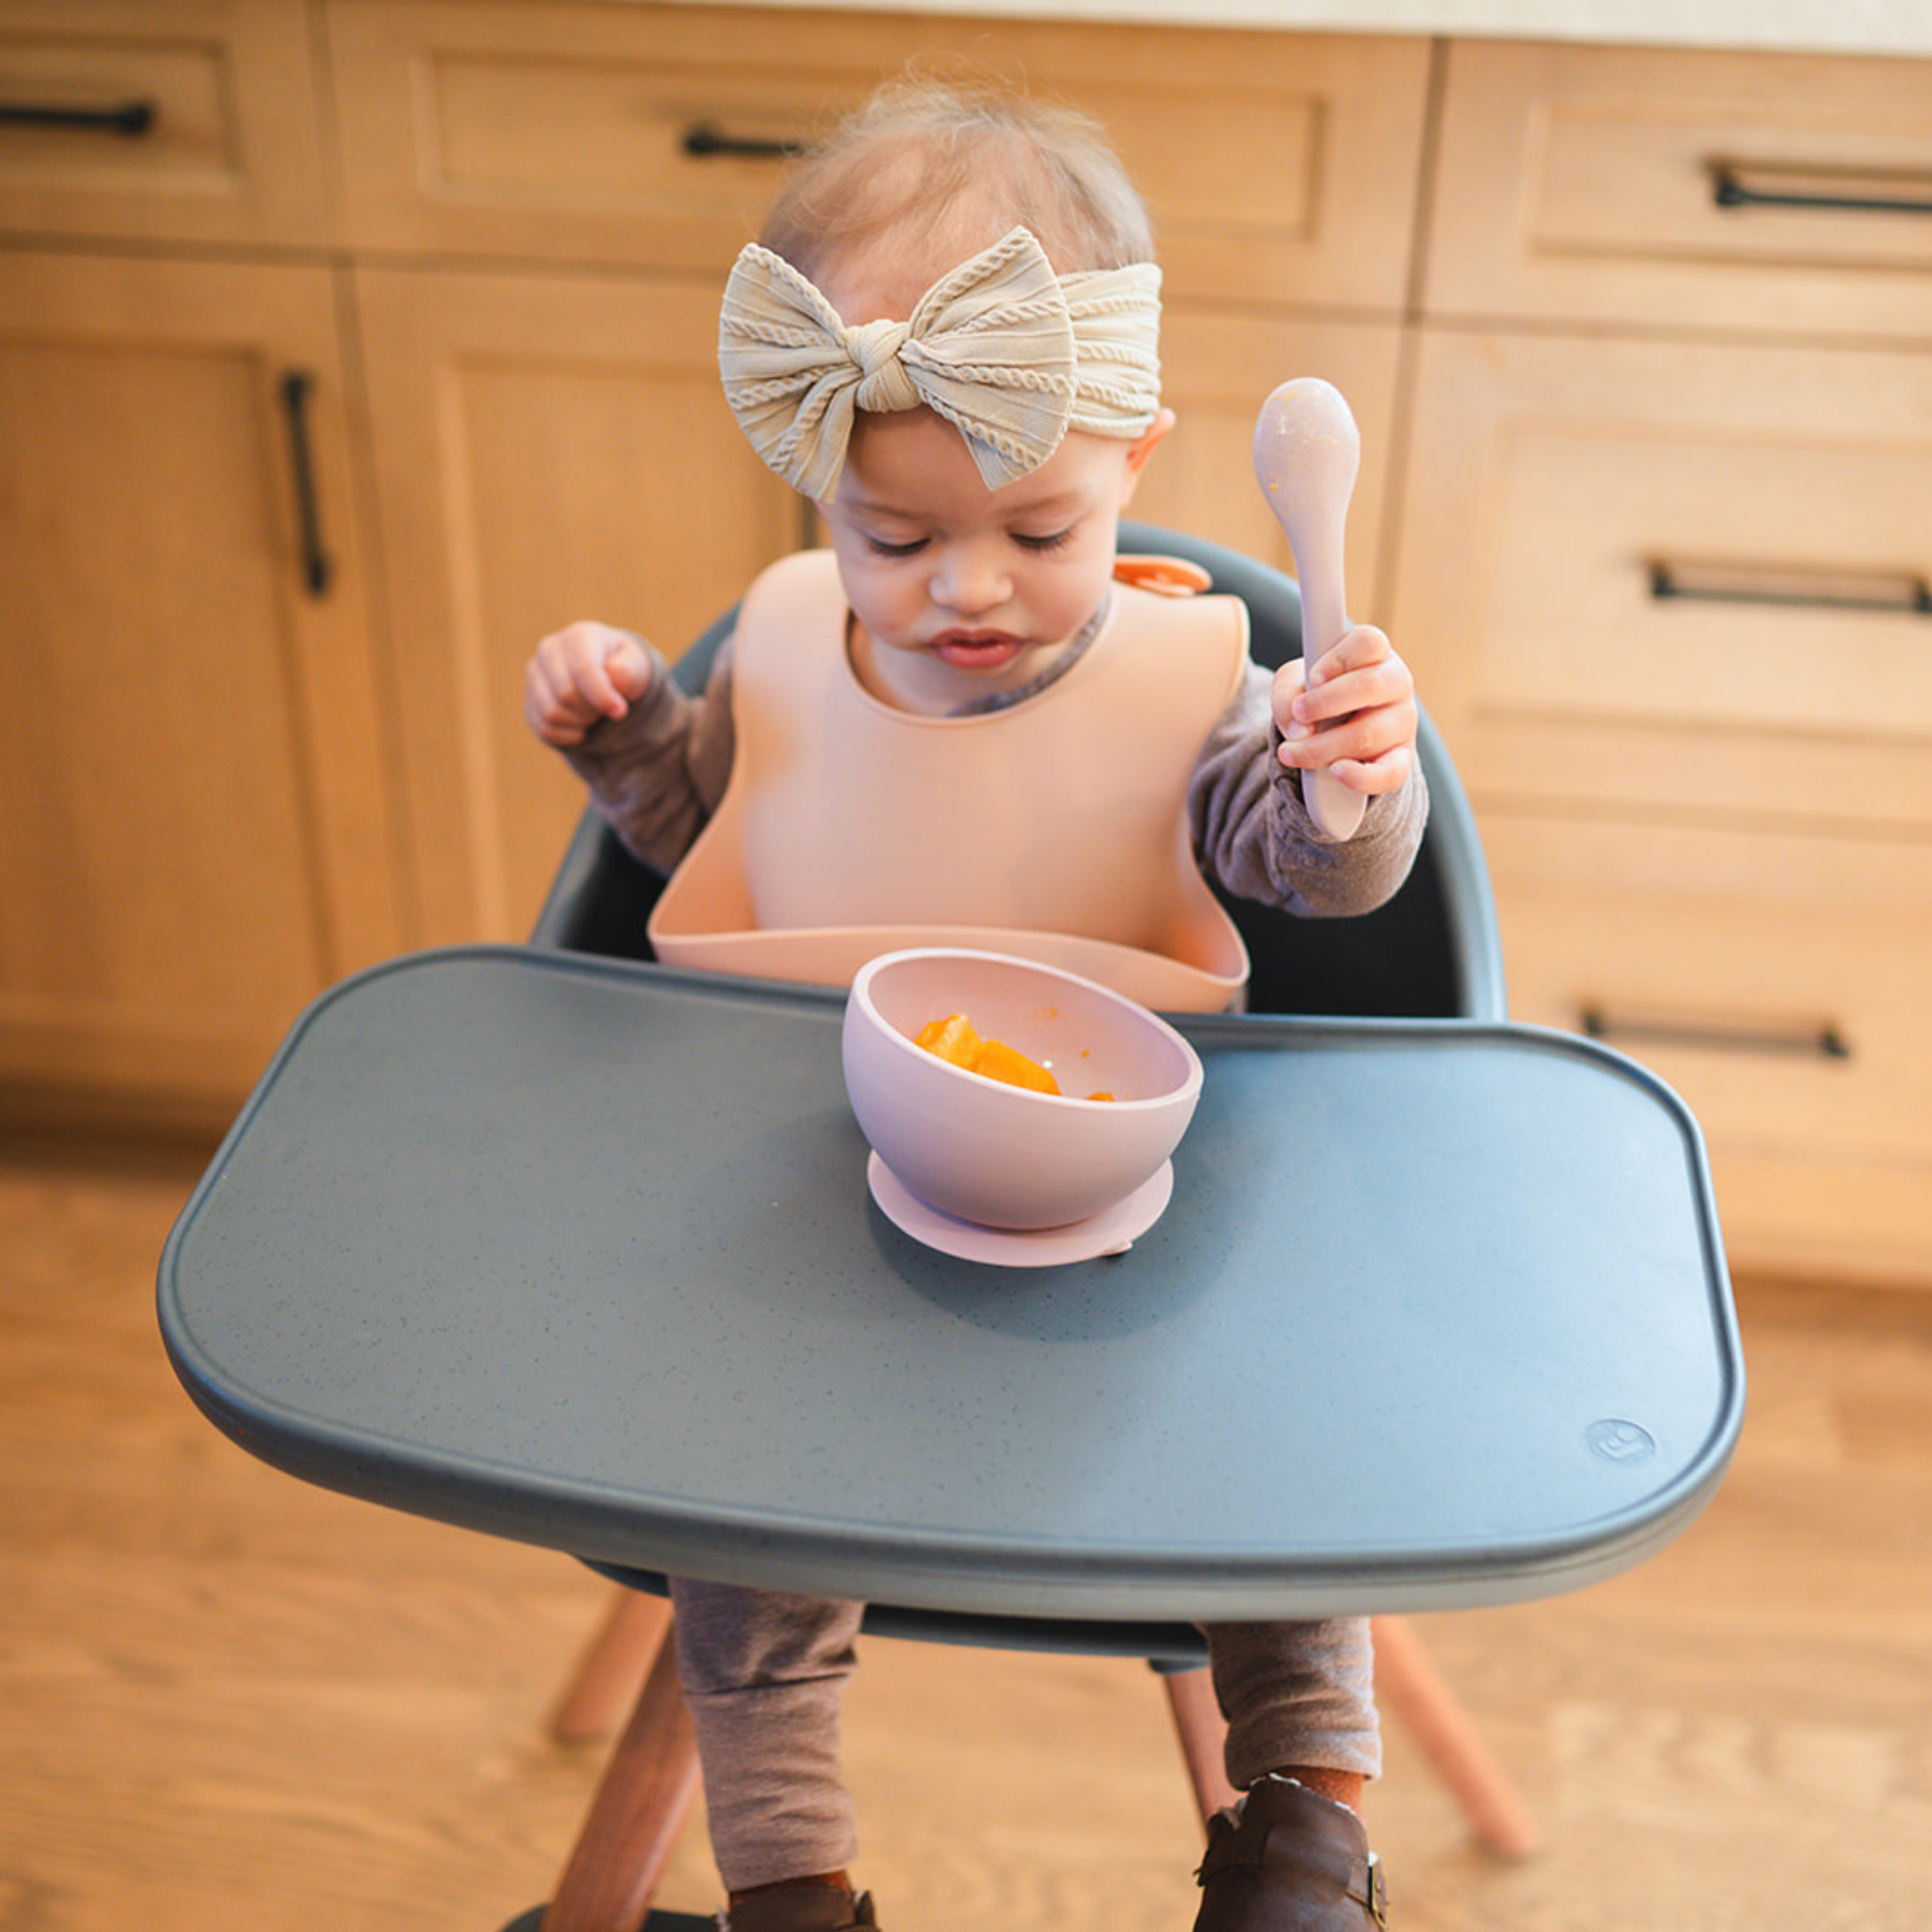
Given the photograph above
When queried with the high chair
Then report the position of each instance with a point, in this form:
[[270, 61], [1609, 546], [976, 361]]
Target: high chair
[[492, 1212], [1432, 951]]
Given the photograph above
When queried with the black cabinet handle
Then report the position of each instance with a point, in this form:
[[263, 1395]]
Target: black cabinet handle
[[1823, 1041], [1729, 189], [130, 117], [1897, 593], [702, 141], [318, 567]]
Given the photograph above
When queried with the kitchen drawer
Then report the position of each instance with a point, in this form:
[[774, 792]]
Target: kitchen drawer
[[1778, 983], [538, 129], [186, 121], [1766, 192], [1688, 577]]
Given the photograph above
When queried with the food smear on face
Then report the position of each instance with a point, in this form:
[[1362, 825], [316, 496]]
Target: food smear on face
[[954, 1041]]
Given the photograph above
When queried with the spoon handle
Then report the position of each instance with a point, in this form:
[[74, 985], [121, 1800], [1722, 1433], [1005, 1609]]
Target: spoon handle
[[1307, 451]]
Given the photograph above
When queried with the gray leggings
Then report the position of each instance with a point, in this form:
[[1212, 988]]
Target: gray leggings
[[764, 1674]]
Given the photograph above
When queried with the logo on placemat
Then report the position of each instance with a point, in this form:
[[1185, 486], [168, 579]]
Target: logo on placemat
[[1616, 1440]]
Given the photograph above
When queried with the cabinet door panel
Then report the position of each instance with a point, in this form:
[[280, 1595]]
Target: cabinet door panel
[[1216, 370], [546, 449], [193, 834]]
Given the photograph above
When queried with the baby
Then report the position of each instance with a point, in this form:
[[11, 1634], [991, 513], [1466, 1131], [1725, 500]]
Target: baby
[[959, 716]]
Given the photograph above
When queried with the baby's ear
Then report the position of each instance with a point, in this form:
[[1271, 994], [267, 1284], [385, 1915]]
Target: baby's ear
[[1144, 445]]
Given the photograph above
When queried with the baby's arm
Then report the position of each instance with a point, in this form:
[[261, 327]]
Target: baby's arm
[[655, 760]]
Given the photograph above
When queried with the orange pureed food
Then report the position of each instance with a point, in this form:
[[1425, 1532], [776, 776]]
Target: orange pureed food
[[954, 1041]]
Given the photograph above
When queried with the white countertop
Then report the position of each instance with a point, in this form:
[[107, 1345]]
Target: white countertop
[[1822, 26]]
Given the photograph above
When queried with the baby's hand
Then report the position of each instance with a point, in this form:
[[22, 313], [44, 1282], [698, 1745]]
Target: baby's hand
[[581, 674], [1354, 715]]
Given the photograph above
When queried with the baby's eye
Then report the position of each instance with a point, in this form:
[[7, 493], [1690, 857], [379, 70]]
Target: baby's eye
[[883, 546], [1040, 545]]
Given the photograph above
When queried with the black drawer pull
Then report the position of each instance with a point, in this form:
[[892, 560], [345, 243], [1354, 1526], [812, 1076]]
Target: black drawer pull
[[1896, 593], [702, 142], [318, 567], [1823, 1042], [130, 117], [1730, 190]]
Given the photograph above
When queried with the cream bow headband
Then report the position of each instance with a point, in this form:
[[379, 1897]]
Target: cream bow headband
[[1010, 353]]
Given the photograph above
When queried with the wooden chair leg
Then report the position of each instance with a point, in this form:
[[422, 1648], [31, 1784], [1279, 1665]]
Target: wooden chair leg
[[1409, 1684], [641, 1803], [1203, 1731], [612, 1666]]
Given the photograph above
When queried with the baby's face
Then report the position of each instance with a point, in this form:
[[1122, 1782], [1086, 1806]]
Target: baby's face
[[961, 590]]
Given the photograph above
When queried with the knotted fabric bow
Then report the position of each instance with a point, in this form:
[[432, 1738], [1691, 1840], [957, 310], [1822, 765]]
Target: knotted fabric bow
[[1010, 353]]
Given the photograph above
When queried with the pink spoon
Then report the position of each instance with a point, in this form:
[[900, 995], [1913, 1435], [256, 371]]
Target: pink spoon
[[1307, 451]]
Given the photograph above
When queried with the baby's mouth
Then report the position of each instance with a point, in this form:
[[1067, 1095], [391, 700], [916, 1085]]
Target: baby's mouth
[[977, 650]]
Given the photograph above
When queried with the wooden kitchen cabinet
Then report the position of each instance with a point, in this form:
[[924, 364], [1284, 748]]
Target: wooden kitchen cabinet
[[492, 233], [1639, 340], [546, 448], [1665, 575], [191, 765], [196, 833]]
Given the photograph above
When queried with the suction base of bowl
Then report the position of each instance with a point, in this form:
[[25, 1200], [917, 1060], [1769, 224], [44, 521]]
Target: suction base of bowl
[[1112, 1231]]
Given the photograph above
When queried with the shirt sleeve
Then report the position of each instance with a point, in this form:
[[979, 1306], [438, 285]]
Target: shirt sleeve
[[657, 773], [1252, 833]]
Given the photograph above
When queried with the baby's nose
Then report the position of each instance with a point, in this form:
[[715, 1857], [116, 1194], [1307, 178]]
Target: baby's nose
[[970, 578]]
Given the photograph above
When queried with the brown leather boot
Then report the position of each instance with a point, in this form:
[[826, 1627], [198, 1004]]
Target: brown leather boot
[[801, 1908], [1283, 1859]]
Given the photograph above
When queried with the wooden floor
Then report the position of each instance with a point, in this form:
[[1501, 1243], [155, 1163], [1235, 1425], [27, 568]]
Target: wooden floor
[[231, 1703]]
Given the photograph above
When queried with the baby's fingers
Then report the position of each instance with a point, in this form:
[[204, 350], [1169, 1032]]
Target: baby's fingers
[[1387, 771], [1370, 752], [551, 707], [1362, 671], [1352, 714], [579, 675], [606, 668]]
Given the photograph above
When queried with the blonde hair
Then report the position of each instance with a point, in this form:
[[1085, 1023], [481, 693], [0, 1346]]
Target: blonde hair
[[926, 174]]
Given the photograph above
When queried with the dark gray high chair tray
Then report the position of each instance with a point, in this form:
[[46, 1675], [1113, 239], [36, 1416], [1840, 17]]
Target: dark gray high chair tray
[[1438, 1314]]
